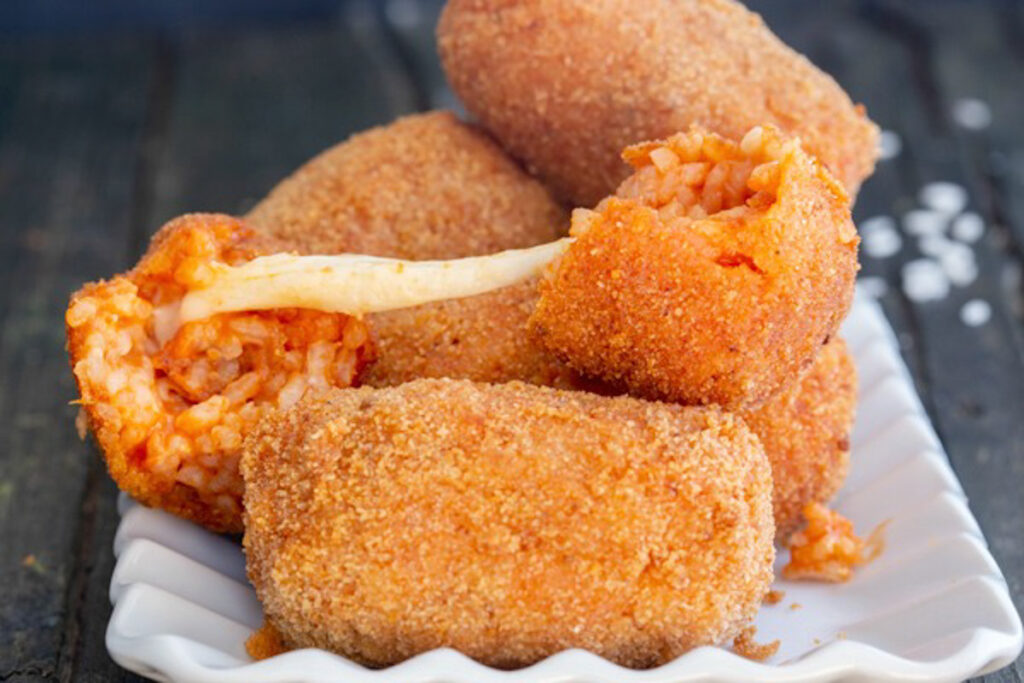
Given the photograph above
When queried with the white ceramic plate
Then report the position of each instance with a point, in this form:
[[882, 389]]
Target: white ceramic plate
[[933, 607]]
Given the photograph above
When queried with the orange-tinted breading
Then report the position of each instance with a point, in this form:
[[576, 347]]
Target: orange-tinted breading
[[170, 417], [714, 275], [427, 187], [566, 84], [424, 187], [481, 338], [805, 431], [506, 521]]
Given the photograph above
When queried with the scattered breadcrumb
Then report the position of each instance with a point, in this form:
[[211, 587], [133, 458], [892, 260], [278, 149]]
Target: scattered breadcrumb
[[795, 606], [827, 549], [774, 597], [265, 642], [744, 646], [82, 424]]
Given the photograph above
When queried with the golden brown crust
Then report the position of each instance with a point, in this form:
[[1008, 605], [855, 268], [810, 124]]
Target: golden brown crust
[[507, 521], [566, 84], [805, 431], [481, 338], [714, 276], [424, 187]]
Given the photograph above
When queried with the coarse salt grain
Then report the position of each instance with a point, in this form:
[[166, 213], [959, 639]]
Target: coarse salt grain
[[975, 312], [924, 222], [889, 145], [945, 197], [968, 227], [972, 113], [881, 243], [924, 280], [958, 263], [877, 223], [873, 286], [934, 245]]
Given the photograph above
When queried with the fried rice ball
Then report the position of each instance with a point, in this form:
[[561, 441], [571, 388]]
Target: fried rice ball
[[566, 84], [424, 187], [713, 275], [509, 522], [170, 415], [428, 187], [805, 431]]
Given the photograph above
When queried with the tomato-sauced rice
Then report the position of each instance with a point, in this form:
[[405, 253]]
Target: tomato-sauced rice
[[827, 549], [170, 418]]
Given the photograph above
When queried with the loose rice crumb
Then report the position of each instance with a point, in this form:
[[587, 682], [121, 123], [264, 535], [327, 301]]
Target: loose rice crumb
[[744, 646]]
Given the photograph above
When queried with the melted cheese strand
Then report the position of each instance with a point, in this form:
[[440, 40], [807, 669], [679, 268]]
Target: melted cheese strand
[[357, 284]]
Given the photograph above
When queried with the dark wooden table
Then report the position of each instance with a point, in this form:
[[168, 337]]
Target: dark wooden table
[[106, 133]]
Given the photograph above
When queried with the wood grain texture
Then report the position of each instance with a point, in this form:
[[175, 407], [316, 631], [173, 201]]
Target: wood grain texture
[[71, 115], [249, 106], [103, 140]]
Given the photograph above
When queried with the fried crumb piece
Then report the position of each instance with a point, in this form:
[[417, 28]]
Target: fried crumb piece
[[265, 642], [744, 646], [827, 549], [82, 424], [795, 606], [774, 597]]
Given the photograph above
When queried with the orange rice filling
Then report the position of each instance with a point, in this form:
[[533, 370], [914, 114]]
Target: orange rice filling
[[827, 549], [171, 418]]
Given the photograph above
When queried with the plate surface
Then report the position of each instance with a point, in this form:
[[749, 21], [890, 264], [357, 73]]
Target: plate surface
[[933, 607]]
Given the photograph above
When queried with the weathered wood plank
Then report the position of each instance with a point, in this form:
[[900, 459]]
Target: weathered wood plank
[[250, 106], [70, 122], [411, 24]]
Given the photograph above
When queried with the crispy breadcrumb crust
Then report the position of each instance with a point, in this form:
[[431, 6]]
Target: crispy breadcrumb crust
[[426, 186], [506, 521], [805, 431], [713, 276], [566, 84], [481, 338]]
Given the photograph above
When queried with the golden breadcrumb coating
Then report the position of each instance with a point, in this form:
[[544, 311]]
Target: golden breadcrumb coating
[[170, 417], [481, 338], [714, 275], [424, 187], [566, 84], [805, 431], [506, 521], [427, 187]]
